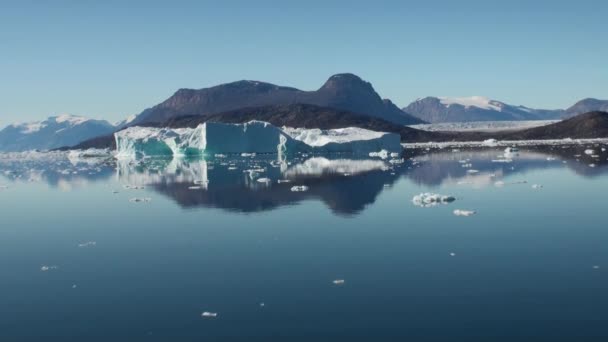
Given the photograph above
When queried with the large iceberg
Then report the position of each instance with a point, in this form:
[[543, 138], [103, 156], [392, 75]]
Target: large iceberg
[[350, 139], [252, 137]]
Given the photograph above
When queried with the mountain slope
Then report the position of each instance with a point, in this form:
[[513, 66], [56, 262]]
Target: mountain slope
[[475, 108], [342, 91], [584, 126], [586, 106], [54, 132]]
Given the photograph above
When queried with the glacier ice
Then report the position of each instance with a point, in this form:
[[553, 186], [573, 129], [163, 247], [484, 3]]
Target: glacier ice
[[247, 139]]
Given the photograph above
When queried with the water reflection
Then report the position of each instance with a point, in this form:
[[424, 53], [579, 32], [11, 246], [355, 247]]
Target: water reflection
[[347, 185], [256, 184]]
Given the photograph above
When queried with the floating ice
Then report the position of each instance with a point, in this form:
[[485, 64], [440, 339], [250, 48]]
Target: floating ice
[[589, 152], [502, 183], [264, 180], [87, 244], [511, 150], [247, 139], [299, 188], [382, 154], [48, 268], [338, 282], [208, 314], [490, 142], [537, 186], [429, 199], [140, 200], [350, 139], [459, 212]]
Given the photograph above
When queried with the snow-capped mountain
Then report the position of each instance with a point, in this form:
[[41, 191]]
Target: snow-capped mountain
[[474, 108], [54, 132]]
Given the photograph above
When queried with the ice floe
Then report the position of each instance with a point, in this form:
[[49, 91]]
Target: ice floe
[[48, 268], [299, 188], [429, 199], [208, 314], [460, 212]]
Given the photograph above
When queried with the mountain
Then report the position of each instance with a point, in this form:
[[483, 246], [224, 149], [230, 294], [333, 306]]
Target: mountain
[[292, 115], [587, 105], [341, 91], [474, 108], [584, 126], [54, 132]]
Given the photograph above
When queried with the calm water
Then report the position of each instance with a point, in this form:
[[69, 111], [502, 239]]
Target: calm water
[[531, 265]]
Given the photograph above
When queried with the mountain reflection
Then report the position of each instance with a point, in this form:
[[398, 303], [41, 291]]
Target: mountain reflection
[[345, 184], [256, 184]]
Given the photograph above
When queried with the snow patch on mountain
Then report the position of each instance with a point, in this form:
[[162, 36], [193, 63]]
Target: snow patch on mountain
[[472, 101]]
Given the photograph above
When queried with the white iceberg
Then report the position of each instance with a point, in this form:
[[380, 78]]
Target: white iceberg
[[247, 139], [350, 139]]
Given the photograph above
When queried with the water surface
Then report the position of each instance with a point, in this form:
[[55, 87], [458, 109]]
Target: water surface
[[531, 264]]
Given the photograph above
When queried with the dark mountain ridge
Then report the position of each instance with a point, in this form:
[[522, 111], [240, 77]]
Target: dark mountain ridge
[[341, 91]]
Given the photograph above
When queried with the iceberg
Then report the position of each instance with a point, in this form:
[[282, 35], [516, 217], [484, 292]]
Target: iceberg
[[246, 139]]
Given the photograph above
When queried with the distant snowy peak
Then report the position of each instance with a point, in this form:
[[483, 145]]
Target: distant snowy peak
[[63, 120], [473, 101], [55, 131], [474, 108]]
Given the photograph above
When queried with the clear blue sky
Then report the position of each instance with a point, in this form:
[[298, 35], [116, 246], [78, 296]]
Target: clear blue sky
[[111, 59]]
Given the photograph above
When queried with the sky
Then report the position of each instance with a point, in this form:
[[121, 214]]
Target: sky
[[111, 59]]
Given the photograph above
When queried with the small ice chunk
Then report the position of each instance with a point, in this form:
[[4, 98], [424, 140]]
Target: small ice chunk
[[511, 149], [195, 187], [280, 181], [537, 186], [490, 142], [338, 282], [429, 199], [264, 180], [87, 244], [299, 188], [472, 171], [459, 212], [208, 314], [48, 268], [395, 155], [382, 154], [589, 152], [452, 254]]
